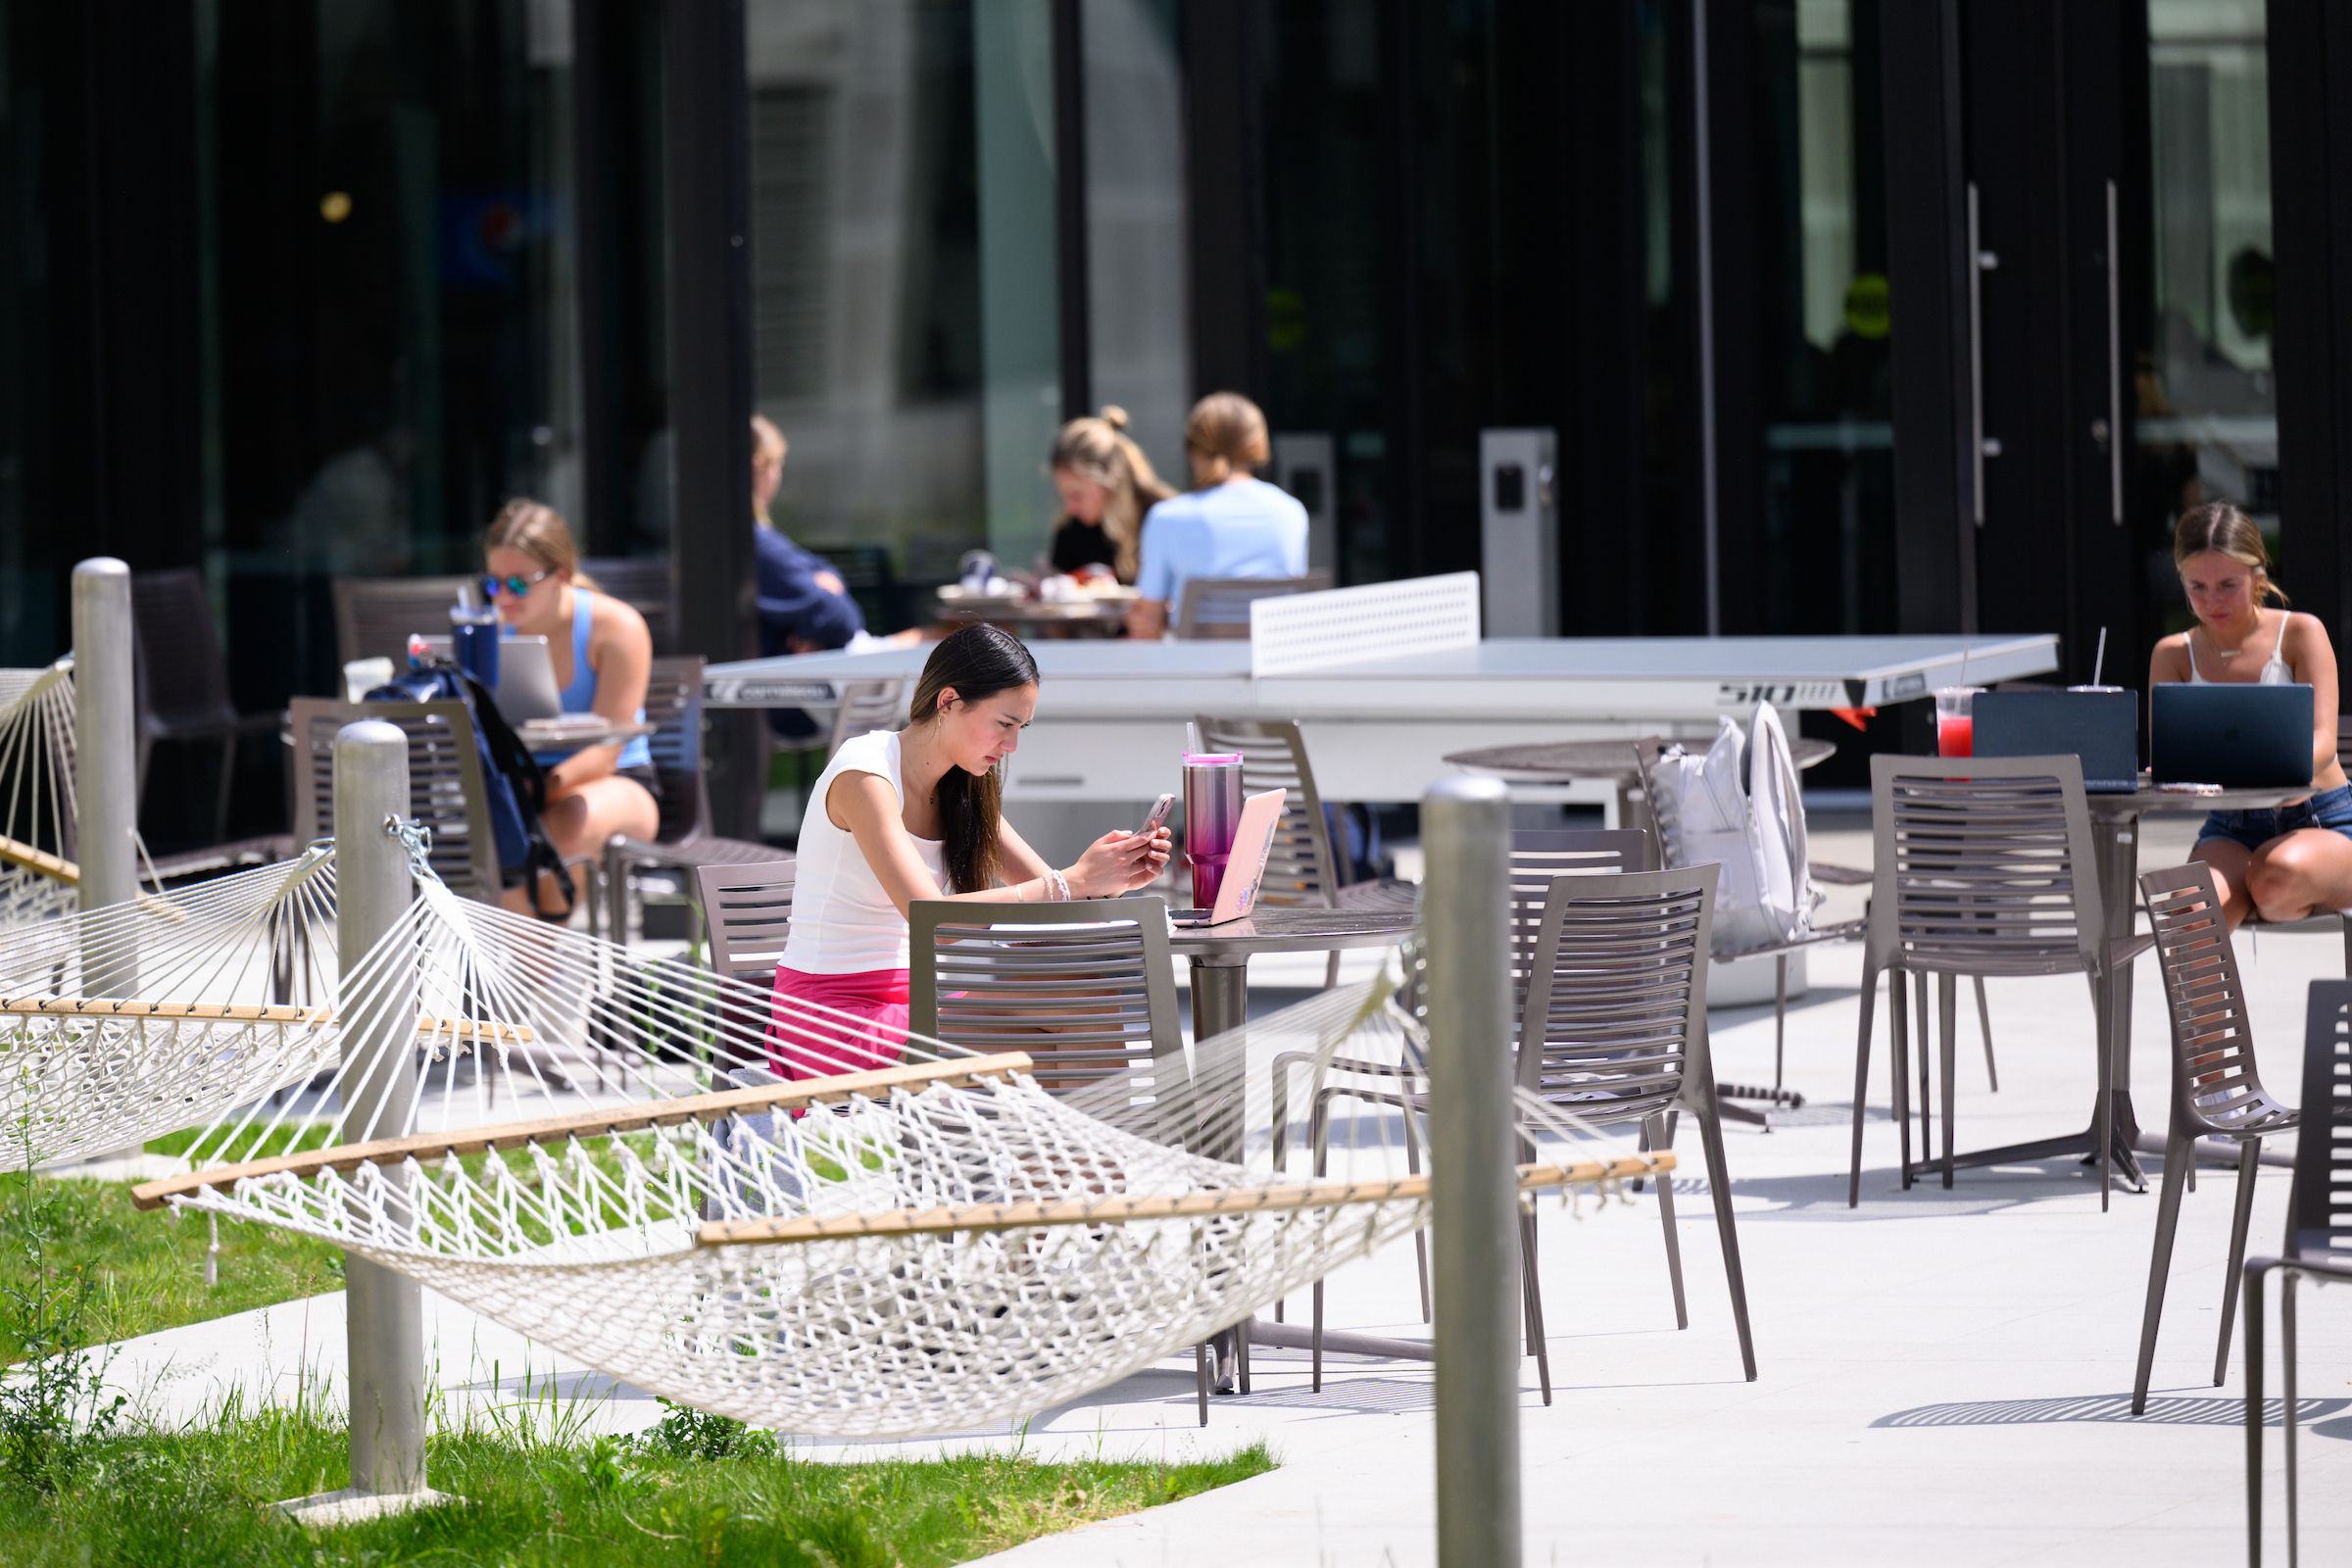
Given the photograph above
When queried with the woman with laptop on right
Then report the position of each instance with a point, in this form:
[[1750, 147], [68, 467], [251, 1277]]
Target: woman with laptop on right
[[2290, 859]]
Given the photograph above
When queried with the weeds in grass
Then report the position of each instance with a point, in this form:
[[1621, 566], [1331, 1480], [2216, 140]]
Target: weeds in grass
[[54, 1408], [202, 1495], [690, 1434], [145, 1272]]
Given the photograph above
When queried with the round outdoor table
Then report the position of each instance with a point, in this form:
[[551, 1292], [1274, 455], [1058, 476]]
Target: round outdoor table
[[1220, 954], [1090, 616], [1568, 762]]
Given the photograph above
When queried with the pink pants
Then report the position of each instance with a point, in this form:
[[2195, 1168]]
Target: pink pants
[[871, 1034]]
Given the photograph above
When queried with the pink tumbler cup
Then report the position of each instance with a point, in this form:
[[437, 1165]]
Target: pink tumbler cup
[[1213, 808]]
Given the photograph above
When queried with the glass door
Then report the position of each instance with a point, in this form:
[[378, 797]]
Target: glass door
[[2207, 405]]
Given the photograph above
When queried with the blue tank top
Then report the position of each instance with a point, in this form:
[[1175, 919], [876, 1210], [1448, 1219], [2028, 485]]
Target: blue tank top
[[580, 696]]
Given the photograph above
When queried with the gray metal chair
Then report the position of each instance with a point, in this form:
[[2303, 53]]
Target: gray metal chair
[[747, 909], [1303, 868], [1217, 609], [182, 679], [643, 583], [1610, 981], [375, 615], [673, 704], [445, 783], [1613, 1027], [1086, 989], [2319, 1234], [1983, 866], [2216, 1091], [868, 704], [1090, 992]]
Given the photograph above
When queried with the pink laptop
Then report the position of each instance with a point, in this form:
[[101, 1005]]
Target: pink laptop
[[1253, 842]]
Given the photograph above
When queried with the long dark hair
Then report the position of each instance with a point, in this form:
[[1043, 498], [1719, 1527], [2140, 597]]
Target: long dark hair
[[978, 660]]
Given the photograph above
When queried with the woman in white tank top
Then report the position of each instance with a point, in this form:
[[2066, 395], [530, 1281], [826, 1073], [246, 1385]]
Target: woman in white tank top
[[2289, 860], [894, 819]]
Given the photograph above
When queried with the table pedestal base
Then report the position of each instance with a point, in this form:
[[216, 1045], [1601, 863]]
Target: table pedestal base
[[2124, 1143]]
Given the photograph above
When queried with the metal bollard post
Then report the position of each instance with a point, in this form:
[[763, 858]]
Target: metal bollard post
[[385, 1322], [1465, 833], [106, 774]]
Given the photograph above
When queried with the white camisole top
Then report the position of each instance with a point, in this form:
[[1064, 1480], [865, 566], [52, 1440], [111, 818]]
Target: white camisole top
[[2275, 671], [843, 922]]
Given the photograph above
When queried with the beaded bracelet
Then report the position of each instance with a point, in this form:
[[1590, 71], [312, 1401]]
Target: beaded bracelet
[[1060, 885]]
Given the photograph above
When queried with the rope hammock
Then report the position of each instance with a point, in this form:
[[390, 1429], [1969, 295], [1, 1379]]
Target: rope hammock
[[764, 1208], [38, 879], [126, 1022]]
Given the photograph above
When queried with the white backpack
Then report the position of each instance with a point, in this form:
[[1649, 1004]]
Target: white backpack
[[1754, 828]]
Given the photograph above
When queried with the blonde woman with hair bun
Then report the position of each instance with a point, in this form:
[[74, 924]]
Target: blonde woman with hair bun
[[2292, 860], [1230, 524], [1106, 485]]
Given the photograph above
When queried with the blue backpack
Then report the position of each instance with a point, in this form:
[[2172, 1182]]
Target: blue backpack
[[511, 778]]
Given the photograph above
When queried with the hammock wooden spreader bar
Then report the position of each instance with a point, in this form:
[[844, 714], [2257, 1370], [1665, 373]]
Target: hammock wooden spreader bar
[[239, 1013], [13, 853], [588, 1124], [1119, 1211]]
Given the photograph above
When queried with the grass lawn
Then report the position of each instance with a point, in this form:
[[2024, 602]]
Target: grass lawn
[[202, 1497], [145, 1271]]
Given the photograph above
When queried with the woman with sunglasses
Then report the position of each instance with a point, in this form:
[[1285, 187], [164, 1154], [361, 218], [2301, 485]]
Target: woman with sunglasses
[[600, 652]]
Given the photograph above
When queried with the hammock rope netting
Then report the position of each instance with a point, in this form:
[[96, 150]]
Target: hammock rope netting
[[742, 1203], [39, 880]]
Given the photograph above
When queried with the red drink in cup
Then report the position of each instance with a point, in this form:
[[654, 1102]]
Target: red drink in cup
[[1956, 720]]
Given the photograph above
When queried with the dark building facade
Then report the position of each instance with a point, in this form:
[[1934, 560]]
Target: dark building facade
[[1847, 316]]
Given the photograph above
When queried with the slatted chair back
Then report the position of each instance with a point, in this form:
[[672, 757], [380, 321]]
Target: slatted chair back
[[1983, 866], [445, 783], [1217, 609], [183, 681], [643, 583], [2319, 1225], [2216, 1088], [1539, 855], [375, 615], [673, 705], [1300, 867], [1613, 1021], [868, 704], [748, 912], [1085, 988]]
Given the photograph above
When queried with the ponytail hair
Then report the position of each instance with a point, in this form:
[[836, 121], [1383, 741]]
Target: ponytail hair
[[975, 662]]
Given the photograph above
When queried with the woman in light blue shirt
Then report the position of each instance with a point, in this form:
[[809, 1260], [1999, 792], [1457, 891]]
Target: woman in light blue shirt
[[1230, 524]]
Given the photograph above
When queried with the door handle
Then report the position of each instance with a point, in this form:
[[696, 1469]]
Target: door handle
[[1979, 447], [2114, 436]]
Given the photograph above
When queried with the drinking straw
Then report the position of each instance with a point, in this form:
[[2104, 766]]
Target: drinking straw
[[2099, 663]]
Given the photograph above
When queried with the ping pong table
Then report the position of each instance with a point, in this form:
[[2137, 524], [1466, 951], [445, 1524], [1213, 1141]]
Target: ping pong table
[[1111, 715]]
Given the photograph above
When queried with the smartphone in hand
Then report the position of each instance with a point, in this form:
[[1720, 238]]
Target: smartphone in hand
[[1160, 815]]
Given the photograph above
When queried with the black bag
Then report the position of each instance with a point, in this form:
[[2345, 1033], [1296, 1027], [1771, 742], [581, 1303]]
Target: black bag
[[511, 778]]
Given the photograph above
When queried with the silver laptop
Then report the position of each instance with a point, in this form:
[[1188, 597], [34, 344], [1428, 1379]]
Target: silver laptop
[[526, 682]]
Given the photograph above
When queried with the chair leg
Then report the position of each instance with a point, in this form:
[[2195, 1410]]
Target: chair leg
[[1241, 1353], [2249, 1161], [1412, 1167], [1899, 1038], [1331, 970], [2291, 1416], [1316, 1348], [228, 773], [1947, 997], [1201, 1377], [1780, 1015], [2254, 1419], [1992, 1073], [1531, 1290], [1719, 1179], [1657, 1133], [1926, 1100], [2177, 1151], [1870, 997]]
